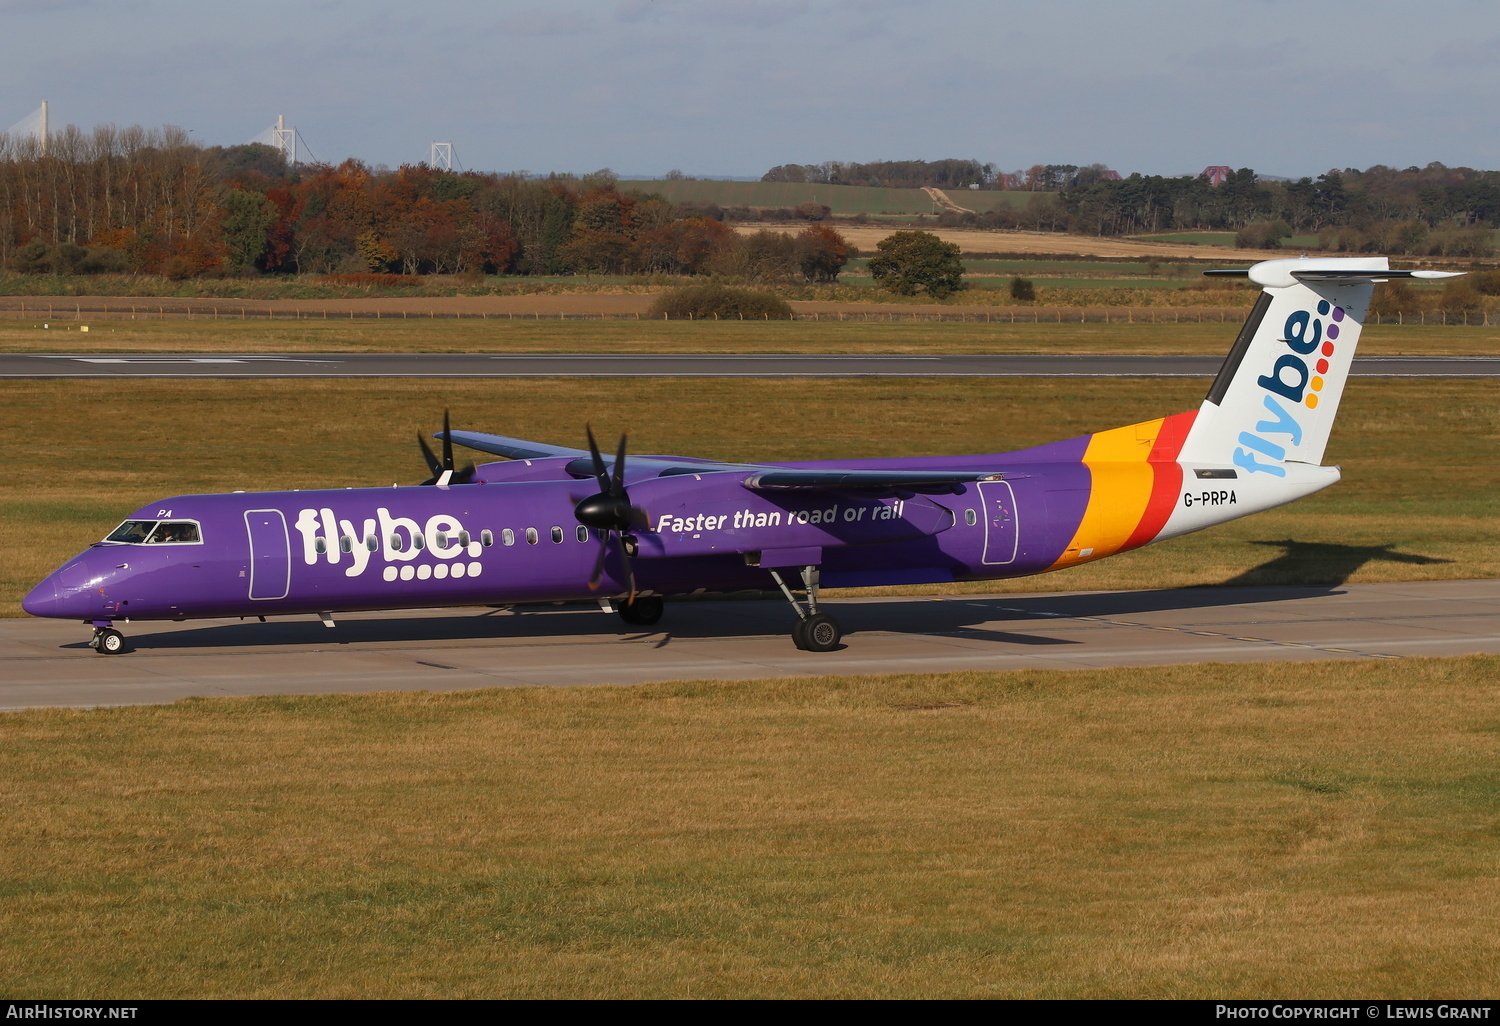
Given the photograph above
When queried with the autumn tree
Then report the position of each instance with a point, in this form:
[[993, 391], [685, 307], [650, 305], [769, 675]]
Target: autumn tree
[[821, 253], [910, 262]]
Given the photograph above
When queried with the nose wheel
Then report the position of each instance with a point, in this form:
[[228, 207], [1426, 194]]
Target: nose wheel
[[108, 641]]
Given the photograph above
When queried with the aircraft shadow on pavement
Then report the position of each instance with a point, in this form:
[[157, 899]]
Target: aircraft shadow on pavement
[[1321, 564], [970, 618]]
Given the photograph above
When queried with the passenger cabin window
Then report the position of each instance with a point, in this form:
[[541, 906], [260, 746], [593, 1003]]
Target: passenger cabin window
[[970, 517], [487, 538], [557, 535], [531, 536], [583, 533], [508, 536]]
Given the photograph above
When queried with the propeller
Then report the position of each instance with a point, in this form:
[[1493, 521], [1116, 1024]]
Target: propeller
[[442, 470], [609, 510]]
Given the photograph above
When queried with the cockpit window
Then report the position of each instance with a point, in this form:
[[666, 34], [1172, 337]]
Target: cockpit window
[[156, 532], [175, 532], [132, 532]]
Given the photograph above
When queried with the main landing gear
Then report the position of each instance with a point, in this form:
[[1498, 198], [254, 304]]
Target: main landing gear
[[107, 640], [643, 612], [814, 631]]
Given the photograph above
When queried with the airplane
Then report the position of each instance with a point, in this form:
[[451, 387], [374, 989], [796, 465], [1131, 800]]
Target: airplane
[[551, 523]]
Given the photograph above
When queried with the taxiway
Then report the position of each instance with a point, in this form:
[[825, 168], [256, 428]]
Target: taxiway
[[48, 663]]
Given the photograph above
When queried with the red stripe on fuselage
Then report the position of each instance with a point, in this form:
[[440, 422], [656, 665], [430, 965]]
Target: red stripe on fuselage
[[1166, 478]]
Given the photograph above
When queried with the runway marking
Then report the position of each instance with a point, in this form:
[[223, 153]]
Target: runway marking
[[1113, 622], [133, 360]]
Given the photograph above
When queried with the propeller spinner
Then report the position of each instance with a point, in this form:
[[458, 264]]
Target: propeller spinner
[[610, 511]]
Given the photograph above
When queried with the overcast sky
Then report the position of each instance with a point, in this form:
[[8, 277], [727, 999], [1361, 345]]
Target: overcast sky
[[733, 87]]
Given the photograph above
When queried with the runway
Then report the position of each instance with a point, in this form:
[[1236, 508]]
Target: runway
[[48, 663], [482, 365]]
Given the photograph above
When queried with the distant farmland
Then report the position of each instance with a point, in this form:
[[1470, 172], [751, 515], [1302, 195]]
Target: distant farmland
[[845, 200]]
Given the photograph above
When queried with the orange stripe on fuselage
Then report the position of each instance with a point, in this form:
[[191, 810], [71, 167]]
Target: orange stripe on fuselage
[[1134, 480]]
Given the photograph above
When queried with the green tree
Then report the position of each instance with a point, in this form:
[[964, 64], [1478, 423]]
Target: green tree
[[248, 217], [910, 262]]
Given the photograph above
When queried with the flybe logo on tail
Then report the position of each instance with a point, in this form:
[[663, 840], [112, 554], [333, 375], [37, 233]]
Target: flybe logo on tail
[[1295, 381]]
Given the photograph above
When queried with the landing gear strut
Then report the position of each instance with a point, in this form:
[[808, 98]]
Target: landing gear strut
[[108, 641], [814, 631]]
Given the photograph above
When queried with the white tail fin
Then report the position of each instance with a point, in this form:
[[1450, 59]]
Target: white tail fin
[[1275, 398]]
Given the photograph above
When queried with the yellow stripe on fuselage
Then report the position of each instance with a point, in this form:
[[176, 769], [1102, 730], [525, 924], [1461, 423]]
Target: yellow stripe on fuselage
[[1120, 482]]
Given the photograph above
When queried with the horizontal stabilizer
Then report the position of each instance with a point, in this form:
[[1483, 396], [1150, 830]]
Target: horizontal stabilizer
[[1280, 274], [1346, 277]]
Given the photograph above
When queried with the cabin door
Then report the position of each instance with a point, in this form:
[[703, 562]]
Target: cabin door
[[1000, 538], [270, 554]]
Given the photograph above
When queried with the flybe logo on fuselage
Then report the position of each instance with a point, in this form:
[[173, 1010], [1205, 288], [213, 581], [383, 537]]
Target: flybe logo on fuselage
[[1293, 386], [451, 550]]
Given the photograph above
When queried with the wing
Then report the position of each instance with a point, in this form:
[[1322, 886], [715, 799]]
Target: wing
[[580, 462], [928, 482], [512, 448]]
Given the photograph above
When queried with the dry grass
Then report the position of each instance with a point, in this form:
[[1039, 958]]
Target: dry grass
[[1276, 830], [614, 336], [1417, 502]]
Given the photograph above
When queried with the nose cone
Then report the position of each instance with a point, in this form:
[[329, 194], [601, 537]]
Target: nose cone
[[43, 600], [66, 594]]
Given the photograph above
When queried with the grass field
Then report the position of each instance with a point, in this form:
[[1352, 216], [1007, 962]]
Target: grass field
[[1284, 830], [844, 200], [579, 336], [1417, 502]]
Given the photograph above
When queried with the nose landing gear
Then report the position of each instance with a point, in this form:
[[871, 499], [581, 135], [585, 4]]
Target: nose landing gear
[[107, 640]]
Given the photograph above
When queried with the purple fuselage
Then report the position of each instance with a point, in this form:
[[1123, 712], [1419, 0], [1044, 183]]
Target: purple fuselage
[[513, 537]]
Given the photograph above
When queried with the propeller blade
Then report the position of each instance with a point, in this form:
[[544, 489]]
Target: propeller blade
[[464, 476], [629, 570], [617, 483], [432, 460], [447, 443], [598, 574], [600, 471]]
